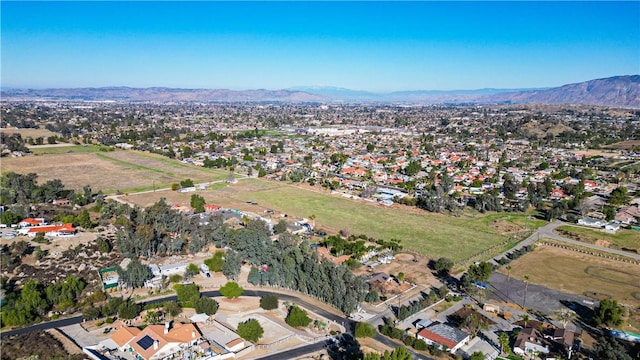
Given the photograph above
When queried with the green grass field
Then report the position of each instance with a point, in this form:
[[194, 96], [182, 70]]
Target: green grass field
[[434, 235], [629, 239], [64, 149]]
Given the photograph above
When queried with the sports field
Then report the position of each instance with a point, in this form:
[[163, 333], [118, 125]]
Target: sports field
[[123, 170], [434, 235], [580, 274]]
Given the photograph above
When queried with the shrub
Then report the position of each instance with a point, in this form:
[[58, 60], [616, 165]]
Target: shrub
[[365, 330], [297, 317], [420, 345], [269, 302]]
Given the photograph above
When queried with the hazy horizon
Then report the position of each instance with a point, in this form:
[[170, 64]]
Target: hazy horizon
[[377, 47]]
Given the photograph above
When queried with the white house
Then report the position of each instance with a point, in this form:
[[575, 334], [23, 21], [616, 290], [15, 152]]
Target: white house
[[530, 341], [444, 336]]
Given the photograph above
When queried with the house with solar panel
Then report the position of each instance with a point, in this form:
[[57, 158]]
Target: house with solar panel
[[156, 341]]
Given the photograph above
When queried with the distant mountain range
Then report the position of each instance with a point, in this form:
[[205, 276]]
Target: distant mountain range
[[623, 91]]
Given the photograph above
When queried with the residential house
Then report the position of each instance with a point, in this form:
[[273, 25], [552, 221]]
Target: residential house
[[32, 222], [209, 208], [156, 341], [444, 336], [530, 341], [64, 230], [628, 215], [591, 222]]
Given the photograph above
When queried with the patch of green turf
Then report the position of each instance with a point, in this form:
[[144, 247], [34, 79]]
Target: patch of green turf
[[434, 235], [64, 149], [626, 238]]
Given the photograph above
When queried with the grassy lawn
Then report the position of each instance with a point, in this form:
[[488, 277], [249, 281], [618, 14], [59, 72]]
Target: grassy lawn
[[64, 149], [477, 236], [629, 239], [434, 235]]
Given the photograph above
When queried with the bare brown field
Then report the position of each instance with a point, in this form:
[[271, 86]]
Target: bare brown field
[[233, 196], [578, 273], [625, 145], [34, 133], [127, 171]]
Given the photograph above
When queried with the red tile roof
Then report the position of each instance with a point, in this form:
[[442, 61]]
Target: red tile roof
[[436, 338]]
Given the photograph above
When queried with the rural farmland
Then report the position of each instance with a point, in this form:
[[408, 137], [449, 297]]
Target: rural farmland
[[109, 171]]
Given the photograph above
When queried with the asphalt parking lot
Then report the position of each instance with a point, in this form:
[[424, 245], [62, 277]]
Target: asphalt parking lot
[[539, 298]]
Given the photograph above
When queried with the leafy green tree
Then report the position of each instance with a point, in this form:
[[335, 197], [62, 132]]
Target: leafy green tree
[[172, 308], [215, 262], [9, 217], [297, 317], [192, 270], [478, 355], [128, 310], [618, 196], [280, 227], [90, 312], [503, 339], [206, 305], [136, 274], [187, 183], [269, 302], [250, 330], [197, 203], [420, 345], [608, 348], [232, 265], [609, 313], [443, 265], [364, 329], [104, 245], [187, 292], [84, 220], [372, 296], [231, 290]]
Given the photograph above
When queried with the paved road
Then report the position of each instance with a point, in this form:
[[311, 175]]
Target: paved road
[[547, 232]]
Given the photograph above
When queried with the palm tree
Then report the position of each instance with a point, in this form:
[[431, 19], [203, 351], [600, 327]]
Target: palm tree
[[312, 217], [503, 339], [565, 316], [526, 285], [525, 318]]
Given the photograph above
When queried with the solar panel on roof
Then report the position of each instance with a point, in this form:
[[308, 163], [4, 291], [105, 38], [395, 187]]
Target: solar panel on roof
[[145, 342]]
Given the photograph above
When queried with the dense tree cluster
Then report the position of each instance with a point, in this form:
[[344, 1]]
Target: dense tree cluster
[[33, 300]]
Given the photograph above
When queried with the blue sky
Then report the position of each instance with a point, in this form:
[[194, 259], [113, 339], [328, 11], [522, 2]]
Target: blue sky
[[376, 46]]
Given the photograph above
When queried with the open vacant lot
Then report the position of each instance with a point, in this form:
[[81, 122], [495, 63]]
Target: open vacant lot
[[623, 239], [33, 133], [579, 273], [434, 235], [127, 171]]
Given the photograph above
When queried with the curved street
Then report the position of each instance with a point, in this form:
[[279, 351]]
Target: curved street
[[547, 232], [343, 321]]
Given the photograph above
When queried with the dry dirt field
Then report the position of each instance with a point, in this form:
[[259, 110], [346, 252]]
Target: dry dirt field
[[126, 171], [579, 273], [25, 133], [626, 145]]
